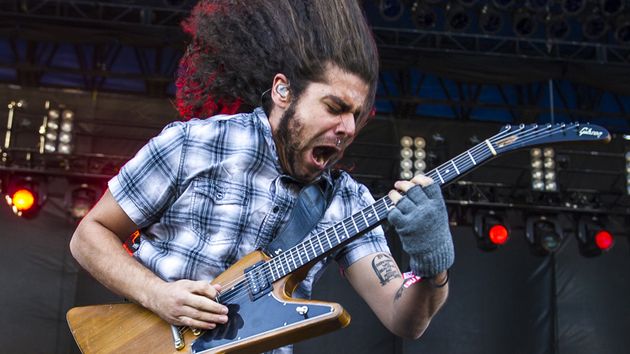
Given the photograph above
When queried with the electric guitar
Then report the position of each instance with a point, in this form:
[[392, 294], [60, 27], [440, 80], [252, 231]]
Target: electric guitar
[[257, 289]]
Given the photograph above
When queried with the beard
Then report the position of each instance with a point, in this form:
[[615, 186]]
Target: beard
[[288, 141]]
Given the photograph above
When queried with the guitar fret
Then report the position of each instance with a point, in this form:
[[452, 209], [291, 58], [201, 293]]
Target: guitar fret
[[328, 238], [344, 228], [293, 260], [455, 166], [437, 170], [471, 157], [364, 218], [305, 252], [272, 266], [336, 235], [311, 242], [354, 223], [299, 255], [320, 243]]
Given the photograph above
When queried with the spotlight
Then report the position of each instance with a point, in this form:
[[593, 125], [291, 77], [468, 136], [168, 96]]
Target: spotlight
[[81, 198], [558, 29], [594, 26], [490, 20], [543, 170], [456, 17], [524, 23], [544, 234], [391, 10], [56, 131], [593, 238], [413, 156], [622, 30], [573, 7], [611, 7], [490, 230], [25, 197], [423, 16]]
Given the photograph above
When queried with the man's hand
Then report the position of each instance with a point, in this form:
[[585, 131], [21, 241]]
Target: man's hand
[[188, 303], [421, 221]]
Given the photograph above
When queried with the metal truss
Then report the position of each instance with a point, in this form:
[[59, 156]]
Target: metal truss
[[408, 93], [408, 40]]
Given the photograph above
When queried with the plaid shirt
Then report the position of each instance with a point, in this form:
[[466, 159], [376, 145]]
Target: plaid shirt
[[205, 193]]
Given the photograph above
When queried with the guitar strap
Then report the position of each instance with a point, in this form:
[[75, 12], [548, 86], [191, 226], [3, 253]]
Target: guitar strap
[[309, 208]]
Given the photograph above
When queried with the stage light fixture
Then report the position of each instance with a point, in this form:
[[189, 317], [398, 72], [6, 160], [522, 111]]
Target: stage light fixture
[[423, 16], [544, 234], [56, 131], [490, 230], [468, 3], [457, 18], [490, 20], [594, 27], [543, 170], [611, 7], [558, 29], [622, 30], [80, 198], [524, 24], [573, 7], [413, 156], [593, 239], [391, 10], [24, 196]]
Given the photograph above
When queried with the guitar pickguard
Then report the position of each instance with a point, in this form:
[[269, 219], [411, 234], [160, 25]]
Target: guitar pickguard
[[248, 320]]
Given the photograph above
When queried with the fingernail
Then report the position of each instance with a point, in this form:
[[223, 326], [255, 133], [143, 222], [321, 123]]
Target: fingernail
[[224, 319], [225, 310]]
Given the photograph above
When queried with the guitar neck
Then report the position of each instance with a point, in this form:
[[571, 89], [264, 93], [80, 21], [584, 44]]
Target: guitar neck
[[363, 221], [508, 139]]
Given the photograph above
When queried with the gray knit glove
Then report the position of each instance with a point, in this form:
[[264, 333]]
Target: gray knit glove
[[421, 221]]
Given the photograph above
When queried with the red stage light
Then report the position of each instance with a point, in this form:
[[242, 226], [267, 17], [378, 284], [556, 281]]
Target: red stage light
[[604, 240], [498, 234], [23, 199]]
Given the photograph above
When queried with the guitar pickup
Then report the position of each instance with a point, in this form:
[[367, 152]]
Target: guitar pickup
[[257, 281]]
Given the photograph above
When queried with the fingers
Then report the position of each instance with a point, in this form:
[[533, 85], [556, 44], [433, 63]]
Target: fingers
[[405, 187], [191, 303]]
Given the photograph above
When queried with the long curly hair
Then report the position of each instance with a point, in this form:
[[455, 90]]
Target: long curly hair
[[239, 45]]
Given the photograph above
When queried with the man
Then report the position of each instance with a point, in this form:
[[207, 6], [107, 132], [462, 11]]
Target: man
[[207, 192]]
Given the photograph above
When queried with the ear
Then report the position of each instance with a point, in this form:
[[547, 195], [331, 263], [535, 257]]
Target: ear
[[278, 99]]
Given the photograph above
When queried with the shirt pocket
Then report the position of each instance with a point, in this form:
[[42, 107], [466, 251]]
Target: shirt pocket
[[217, 208]]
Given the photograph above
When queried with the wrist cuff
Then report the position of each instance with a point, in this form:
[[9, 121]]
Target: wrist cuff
[[430, 264]]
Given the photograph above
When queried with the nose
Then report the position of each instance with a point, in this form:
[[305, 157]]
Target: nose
[[346, 127]]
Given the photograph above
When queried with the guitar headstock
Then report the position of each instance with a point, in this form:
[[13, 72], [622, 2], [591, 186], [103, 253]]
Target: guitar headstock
[[513, 137]]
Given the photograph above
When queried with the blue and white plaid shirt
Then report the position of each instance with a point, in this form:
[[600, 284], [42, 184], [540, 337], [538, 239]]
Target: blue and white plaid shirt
[[205, 193]]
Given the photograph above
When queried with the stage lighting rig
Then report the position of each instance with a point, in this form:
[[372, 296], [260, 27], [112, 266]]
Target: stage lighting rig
[[544, 234], [25, 196], [490, 20], [457, 19], [391, 10], [490, 230], [80, 198], [423, 16], [622, 30], [56, 130], [593, 239], [524, 24], [594, 27]]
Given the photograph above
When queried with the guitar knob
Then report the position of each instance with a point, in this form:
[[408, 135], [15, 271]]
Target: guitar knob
[[302, 310]]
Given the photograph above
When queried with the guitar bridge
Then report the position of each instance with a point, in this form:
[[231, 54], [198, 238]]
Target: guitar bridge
[[257, 281]]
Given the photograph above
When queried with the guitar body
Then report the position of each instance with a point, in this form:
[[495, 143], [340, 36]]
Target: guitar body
[[272, 320]]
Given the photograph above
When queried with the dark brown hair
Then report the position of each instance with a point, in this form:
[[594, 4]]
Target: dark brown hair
[[239, 45]]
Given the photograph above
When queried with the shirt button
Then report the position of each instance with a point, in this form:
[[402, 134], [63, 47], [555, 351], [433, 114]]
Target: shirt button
[[276, 208]]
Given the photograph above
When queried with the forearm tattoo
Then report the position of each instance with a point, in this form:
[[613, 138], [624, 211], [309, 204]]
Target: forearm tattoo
[[385, 268]]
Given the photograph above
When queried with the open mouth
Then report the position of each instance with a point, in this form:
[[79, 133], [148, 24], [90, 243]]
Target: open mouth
[[323, 154]]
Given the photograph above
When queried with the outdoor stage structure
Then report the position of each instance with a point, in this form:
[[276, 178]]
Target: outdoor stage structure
[[86, 83]]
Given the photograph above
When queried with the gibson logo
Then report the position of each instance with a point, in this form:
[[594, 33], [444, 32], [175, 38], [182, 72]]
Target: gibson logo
[[590, 131]]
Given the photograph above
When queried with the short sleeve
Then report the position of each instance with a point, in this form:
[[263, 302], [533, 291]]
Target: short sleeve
[[147, 183]]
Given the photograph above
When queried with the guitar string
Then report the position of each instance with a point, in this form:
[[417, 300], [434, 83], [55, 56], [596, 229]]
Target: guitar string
[[531, 134]]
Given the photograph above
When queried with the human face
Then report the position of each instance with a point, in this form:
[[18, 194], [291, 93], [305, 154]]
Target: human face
[[308, 131]]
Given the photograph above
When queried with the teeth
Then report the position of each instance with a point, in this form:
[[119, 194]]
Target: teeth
[[319, 159]]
